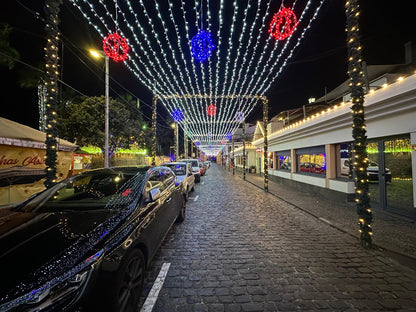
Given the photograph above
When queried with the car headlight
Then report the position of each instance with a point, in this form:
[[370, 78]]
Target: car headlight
[[39, 296], [78, 278]]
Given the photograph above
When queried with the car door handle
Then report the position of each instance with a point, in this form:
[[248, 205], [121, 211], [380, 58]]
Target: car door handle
[[169, 199]]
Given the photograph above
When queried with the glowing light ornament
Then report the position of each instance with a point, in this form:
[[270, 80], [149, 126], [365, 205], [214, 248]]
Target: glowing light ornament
[[202, 45], [197, 143], [177, 115], [239, 116], [222, 142], [229, 136], [283, 24], [211, 109], [115, 47]]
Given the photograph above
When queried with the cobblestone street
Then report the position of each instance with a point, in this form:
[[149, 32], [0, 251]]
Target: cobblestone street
[[241, 249]]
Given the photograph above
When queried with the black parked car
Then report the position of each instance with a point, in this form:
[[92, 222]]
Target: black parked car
[[92, 234]]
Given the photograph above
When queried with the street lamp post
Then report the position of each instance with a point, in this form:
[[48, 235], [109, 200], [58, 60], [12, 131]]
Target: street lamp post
[[97, 54]]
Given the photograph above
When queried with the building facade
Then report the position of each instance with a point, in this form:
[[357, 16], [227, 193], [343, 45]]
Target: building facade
[[314, 152]]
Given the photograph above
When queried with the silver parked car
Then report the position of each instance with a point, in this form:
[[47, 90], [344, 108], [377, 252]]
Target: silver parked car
[[195, 168], [183, 172]]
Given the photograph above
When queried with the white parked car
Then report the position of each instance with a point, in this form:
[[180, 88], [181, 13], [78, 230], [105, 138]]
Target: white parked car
[[183, 172], [195, 168]]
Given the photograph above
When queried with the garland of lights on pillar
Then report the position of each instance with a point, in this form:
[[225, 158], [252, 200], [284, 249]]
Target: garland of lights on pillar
[[360, 159], [51, 80]]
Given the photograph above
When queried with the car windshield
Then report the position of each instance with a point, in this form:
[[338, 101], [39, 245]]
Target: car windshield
[[194, 163], [178, 169], [87, 191]]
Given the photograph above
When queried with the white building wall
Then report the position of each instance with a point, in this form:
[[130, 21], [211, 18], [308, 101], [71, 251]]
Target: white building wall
[[389, 111]]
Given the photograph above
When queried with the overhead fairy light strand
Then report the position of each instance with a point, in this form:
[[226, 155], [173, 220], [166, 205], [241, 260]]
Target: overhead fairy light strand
[[245, 62]]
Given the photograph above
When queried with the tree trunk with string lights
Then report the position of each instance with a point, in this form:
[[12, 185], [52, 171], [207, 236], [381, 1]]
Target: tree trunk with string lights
[[154, 120], [359, 152], [51, 85]]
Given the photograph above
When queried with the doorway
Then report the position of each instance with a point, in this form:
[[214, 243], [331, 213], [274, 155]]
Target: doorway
[[390, 174]]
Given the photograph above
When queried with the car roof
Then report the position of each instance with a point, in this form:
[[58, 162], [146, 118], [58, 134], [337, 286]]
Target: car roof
[[174, 163]]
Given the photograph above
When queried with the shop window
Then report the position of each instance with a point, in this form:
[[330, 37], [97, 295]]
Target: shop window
[[344, 168], [270, 163], [284, 161], [311, 161]]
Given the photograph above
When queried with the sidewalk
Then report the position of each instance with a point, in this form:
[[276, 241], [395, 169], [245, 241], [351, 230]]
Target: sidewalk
[[394, 234]]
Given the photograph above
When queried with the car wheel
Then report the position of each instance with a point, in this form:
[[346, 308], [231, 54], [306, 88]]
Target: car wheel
[[125, 286], [181, 215], [193, 188]]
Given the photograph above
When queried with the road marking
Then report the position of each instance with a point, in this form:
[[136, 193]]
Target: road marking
[[325, 220], [196, 198], [157, 286], [202, 183]]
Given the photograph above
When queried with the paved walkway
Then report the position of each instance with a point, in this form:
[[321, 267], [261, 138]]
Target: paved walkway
[[394, 233], [241, 249]]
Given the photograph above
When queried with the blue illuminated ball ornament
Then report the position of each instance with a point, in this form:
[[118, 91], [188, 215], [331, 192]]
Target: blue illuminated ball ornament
[[229, 136], [177, 115], [202, 45], [197, 143]]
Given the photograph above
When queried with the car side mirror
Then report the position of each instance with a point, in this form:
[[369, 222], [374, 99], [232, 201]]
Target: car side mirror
[[154, 194]]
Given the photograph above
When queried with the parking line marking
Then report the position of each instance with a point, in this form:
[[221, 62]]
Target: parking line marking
[[325, 220], [157, 286], [196, 197]]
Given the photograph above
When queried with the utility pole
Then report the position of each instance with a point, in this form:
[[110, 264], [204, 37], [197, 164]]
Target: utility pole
[[244, 150], [265, 155]]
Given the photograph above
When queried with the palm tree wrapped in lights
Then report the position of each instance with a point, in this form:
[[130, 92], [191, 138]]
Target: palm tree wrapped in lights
[[359, 152], [51, 80]]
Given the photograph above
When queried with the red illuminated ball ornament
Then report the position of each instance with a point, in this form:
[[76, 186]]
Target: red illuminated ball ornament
[[211, 110], [283, 24], [115, 47]]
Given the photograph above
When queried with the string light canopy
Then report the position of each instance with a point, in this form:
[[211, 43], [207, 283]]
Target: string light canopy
[[246, 61]]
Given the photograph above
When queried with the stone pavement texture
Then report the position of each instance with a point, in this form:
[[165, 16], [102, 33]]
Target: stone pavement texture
[[392, 232], [242, 249]]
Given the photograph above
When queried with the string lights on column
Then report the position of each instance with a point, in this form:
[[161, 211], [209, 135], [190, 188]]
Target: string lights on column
[[51, 86], [359, 152]]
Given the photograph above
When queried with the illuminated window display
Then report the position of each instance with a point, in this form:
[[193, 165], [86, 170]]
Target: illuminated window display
[[311, 161], [343, 166], [283, 160]]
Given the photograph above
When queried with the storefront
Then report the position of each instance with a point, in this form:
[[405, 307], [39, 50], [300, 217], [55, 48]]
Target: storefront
[[314, 153], [22, 161]]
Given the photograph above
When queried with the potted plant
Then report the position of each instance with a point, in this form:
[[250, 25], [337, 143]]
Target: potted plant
[[252, 169]]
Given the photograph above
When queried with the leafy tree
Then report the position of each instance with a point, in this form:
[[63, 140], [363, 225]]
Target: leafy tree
[[82, 122], [9, 54]]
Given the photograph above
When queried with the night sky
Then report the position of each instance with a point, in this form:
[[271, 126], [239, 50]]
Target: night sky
[[320, 61]]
